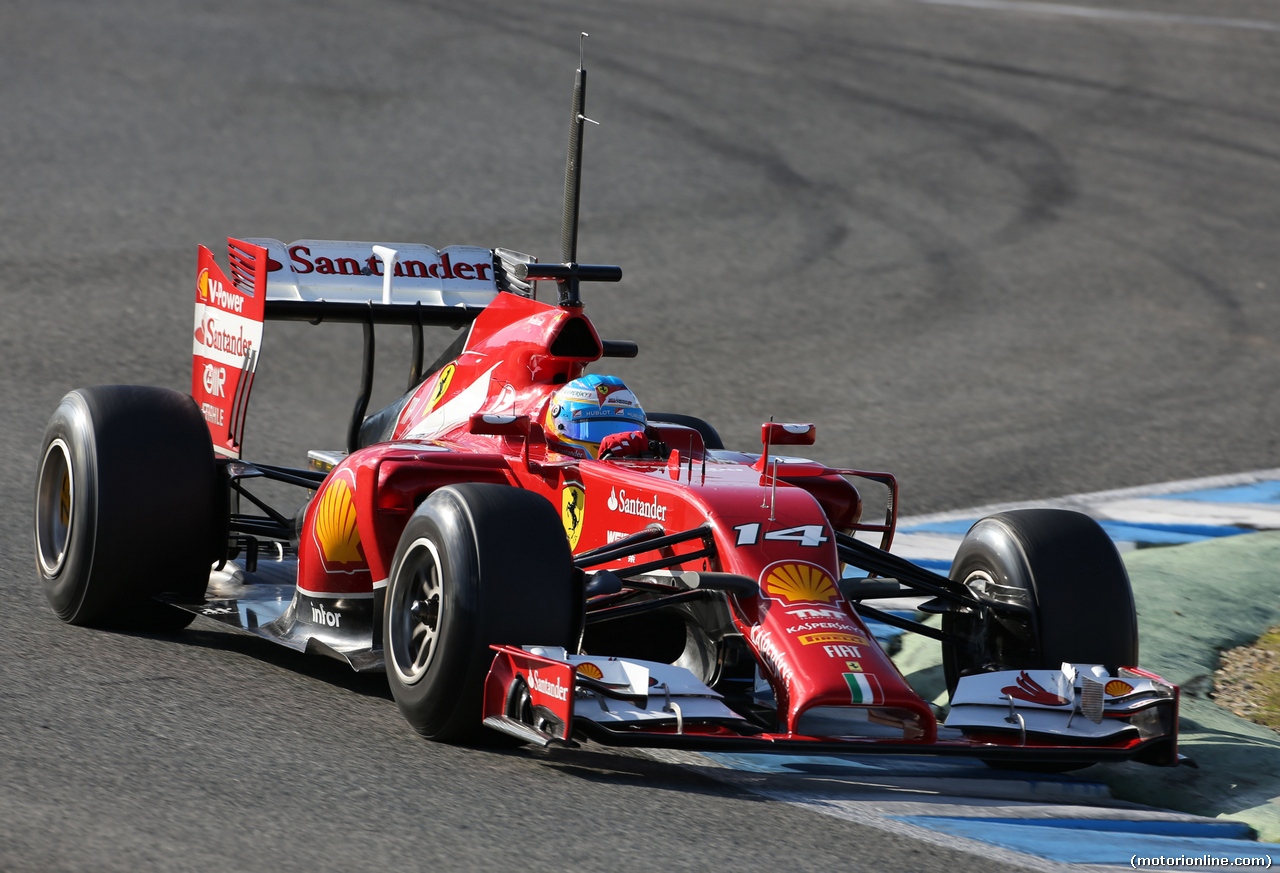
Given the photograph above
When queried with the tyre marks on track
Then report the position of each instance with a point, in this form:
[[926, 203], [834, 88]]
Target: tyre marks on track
[[1131, 16]]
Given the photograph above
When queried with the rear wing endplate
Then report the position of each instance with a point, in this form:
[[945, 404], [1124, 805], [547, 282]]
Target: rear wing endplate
[[228, 335], [325, 280]]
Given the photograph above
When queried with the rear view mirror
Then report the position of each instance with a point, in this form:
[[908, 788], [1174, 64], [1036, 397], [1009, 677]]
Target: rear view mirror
[[776, 433]]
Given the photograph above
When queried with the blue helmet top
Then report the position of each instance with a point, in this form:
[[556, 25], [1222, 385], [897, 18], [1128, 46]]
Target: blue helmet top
[[586, 410]]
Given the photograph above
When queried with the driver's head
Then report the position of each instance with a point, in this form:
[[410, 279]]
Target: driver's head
[[586, 410]]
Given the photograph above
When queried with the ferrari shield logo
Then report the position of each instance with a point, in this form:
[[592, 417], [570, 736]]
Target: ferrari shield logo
[[573, 501], [442, 386]]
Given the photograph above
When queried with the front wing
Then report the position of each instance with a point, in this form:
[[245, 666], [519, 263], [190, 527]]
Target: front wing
[[545, 696]]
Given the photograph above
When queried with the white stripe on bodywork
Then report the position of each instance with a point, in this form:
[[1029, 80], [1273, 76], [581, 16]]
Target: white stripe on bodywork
[[331, 595], [456, 411]]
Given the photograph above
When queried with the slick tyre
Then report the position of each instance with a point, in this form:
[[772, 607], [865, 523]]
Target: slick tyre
[[477, 564], [124, 506], [1064, 569]]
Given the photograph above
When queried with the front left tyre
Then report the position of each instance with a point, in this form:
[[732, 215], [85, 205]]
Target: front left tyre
[[124, 507], [477, 564]]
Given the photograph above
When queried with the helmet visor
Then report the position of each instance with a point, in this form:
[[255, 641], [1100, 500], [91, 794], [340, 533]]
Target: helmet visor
[[592, 430]]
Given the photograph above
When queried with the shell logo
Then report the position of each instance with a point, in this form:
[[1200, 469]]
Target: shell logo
[[1117, 688], [202, 285], [800, 583], [335, 525], [591, 671]]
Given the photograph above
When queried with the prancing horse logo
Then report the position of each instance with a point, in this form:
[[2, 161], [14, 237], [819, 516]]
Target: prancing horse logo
[[573, 502]]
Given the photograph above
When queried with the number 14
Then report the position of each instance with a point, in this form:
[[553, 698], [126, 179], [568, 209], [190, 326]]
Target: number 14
[[805, 534]]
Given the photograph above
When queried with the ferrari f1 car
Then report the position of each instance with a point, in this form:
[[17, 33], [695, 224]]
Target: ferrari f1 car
[[524, 550]]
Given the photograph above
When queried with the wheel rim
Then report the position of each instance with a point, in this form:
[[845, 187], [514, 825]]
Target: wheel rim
[[55, 500], [519, 702], [990, 645], [416, 611]]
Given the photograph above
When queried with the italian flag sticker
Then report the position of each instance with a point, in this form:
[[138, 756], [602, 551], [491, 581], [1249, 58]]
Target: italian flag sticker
[[863, 688]]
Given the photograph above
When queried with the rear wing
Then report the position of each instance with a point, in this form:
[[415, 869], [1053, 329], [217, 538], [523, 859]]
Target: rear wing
[[327, 280]]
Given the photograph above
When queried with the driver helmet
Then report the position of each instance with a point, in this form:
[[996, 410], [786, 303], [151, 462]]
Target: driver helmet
[[587, 410]]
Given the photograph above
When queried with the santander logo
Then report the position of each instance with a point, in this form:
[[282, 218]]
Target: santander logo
[[233, 343], [550, 687], [650, 509]]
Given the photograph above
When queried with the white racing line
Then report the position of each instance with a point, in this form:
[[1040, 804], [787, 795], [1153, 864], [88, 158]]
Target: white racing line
[[1026, 820], [1030, 7]]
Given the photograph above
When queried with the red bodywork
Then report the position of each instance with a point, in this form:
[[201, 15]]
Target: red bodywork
[[770, 518], [803, 628]]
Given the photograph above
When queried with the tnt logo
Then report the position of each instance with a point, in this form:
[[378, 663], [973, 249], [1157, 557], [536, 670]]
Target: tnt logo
[[817, 613], [842, 651], [214, 380]]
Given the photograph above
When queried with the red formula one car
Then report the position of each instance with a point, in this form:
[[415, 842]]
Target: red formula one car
[[523, 549]]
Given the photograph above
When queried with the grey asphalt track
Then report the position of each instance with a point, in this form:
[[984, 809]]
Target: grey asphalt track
[[1003, 254]]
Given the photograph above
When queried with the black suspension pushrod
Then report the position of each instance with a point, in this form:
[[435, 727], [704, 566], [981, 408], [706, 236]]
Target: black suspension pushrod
[[883, 563], [627, 548], [631, 609], [906, 624]]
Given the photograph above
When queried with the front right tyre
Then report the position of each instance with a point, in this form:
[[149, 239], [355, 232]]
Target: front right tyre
[[1064, 573], [1072, 593]]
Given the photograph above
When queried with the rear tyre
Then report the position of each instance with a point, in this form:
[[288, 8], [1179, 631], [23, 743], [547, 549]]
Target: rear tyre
[[124, 507], [1065, 570], [477, 565]]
